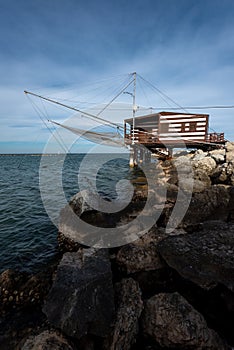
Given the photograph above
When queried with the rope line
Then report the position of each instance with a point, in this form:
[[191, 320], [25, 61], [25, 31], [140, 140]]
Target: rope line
[[39, 113], [128, 80]]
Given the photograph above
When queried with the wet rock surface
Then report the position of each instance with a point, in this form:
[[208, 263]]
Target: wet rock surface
[[81, 299], [211, 204], [128, 310], [140, 255], [173, 323], [19, 289], [47, 340], [76, 225], [205, 257], [22, 297]]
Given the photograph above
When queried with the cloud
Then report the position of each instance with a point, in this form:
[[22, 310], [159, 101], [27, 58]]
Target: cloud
[[54, 48]]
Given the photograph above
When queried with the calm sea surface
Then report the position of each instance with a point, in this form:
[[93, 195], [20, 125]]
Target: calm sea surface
[[28, 238]]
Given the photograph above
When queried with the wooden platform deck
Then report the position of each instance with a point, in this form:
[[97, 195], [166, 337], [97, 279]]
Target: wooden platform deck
[[171, 130]]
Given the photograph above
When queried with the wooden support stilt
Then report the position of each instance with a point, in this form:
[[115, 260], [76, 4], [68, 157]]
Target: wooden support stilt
[[139, 155], [131, 159], [147, 157], [135, 160], [170, 152]]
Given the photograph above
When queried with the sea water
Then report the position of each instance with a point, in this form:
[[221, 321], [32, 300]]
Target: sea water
[[28, 238]]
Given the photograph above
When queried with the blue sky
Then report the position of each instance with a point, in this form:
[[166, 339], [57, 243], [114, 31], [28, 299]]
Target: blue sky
[[184, 47]]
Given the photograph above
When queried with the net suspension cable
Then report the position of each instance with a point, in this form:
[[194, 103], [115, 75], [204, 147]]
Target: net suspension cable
[[44, 120], [87, 114], [179, 107], [105, 122], [105, 137]]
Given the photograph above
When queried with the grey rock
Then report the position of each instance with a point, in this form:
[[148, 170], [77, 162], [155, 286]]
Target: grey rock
[[229, 169], [199, 154], [192, 185], [129, 308], [220, 174], [78, 204], [205, 257], [173, 323], [183, 164], [230, 152], [197, 181], [140, 255], [172, 191], [218, 155], [202, 176], [230, 157], [229, 146], [206, 164], [231, 205], [47, 340], [211, 204], [71, 217], [81, 299], [224, 173], [81, 224]]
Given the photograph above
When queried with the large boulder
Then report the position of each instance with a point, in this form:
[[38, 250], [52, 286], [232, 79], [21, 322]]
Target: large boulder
[[129, 308], [229, 146], [183, 164], [194, 184], [218, 155], [81, 299], [205, 257], [47, 340], [220, 175], [173, 323], [230, 157], [199, 155], [210, 204], [82, 224], [213, 203], [10, 285], [141, 255], [229, 152], [206, 164], [19, 289]]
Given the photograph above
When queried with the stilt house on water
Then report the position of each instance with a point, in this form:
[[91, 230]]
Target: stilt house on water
[[159, 132], [168, 130]]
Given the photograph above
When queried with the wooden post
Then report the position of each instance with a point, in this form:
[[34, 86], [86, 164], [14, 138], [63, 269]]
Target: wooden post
[[135, 149], [148, 157], [170, 152], [131, 159]]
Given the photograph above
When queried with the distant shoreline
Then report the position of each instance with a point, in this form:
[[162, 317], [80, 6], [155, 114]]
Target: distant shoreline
[[36, 154], [48, 154]]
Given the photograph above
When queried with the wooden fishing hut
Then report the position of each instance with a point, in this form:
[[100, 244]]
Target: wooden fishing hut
[[160, 133]]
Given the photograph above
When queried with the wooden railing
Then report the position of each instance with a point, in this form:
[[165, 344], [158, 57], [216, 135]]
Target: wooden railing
[[150, 138], [215, 137], [142, 138]]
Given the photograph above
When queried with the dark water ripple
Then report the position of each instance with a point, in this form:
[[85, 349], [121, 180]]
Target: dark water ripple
[[28, 239]]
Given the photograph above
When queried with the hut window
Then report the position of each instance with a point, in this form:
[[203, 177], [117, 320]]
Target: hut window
[[192, 126], [182, 127], [164, 128]]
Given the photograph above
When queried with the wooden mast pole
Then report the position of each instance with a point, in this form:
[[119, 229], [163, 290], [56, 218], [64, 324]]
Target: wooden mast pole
[[133, 107], [132, 160]]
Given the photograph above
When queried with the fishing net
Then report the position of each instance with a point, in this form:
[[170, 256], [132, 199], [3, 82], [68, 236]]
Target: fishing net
[[114, 139]]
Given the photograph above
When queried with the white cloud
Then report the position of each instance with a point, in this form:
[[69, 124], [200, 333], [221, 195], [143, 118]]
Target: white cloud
[[185, 49]]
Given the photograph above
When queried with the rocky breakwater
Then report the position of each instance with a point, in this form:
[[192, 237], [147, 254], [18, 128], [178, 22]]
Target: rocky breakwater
[[206, 177], [172, 288]]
